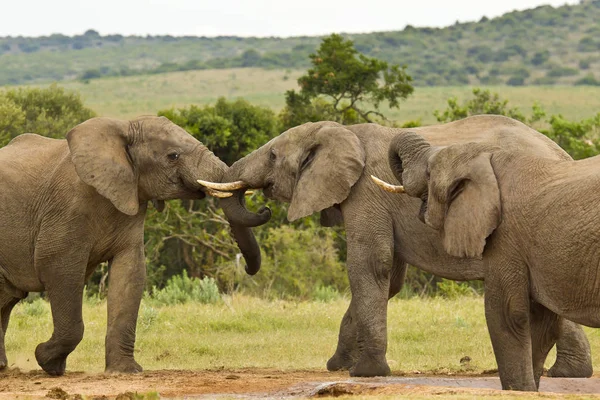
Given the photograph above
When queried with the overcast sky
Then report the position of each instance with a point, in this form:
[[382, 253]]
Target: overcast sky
[[243, 17]]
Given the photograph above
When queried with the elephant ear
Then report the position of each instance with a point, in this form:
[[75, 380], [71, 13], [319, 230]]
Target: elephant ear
[[336, 160], [475, 212], [99, 151]]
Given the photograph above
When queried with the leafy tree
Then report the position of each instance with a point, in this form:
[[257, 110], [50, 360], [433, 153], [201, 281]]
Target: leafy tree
[[485, 102], [51, 112], [578, 138], [230, 129], [194, 235], [348, 81]]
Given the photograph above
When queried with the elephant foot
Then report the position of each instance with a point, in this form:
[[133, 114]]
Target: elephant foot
[[341, 362], [566, 368], [368, 366], [53, 365], [124, 366], [3, 362]]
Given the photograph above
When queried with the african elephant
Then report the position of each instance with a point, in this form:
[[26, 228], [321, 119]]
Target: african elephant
[[535, 222], [326, 167], [68, 205]]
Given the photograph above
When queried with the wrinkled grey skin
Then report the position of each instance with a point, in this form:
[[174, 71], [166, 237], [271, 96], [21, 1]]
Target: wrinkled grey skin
[[68, 205], [326, 167], [534, 221]]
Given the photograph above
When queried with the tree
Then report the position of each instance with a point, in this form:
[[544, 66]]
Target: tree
[[50, 112], [348, 81]]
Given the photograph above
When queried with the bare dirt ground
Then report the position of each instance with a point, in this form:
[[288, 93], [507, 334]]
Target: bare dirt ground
[[259, 383]]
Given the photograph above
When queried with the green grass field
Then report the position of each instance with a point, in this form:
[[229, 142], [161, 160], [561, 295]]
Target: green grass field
[[427, 335], [131, 96]]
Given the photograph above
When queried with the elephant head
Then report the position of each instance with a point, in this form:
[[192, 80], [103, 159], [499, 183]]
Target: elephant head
[[151, 159], [458, 187], [312, 166]]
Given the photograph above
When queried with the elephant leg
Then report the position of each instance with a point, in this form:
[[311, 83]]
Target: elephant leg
[[507, 314], [5, 317], [66, 298], [370, 259], [127, 279], [545, 330], [346, 353], [573, 354]]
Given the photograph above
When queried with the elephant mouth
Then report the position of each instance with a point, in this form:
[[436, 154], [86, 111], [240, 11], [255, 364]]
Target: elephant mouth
[[268, 190]]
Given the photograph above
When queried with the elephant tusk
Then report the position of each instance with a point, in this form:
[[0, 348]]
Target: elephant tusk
[[249, 193], [226, 187], [218, 194], [388, 187]]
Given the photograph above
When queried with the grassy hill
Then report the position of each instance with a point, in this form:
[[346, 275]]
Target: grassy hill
[[541, 46], [135, 95]]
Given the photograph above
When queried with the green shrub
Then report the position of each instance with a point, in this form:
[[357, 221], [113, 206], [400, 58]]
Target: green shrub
[[452, 289], [295, 262], [325, 294], [558, 71], [545, 80], [589, 80], [515, 81], [540, 57], [35, 308], [181, 289], [50, 112]]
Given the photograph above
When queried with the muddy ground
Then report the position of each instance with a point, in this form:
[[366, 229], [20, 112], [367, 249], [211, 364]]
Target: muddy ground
[[257, 383]]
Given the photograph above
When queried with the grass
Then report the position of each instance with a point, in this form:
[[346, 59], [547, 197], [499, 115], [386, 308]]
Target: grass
[[146, 94], [424, 335]]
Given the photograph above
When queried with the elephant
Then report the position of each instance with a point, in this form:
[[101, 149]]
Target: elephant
[[325, 167], [66, 205], [533, 221]]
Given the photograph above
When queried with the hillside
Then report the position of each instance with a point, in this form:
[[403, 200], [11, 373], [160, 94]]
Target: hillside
[[544, 46], [126, 97]]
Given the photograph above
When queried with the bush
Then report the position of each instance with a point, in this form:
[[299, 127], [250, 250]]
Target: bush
[[50, 112], [296, 262], [540, 57], [325, 294], [557, 71], [36, 307], [484, 102], [544, 81], [589, 79], [515, 81], [452, 289], [181, 289]]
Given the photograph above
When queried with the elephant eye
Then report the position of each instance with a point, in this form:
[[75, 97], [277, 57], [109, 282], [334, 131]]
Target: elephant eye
[[272, 156], [173, 156]]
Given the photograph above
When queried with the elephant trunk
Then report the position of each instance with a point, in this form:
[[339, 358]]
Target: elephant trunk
[[235, 206], [407, 156], [216, 170]]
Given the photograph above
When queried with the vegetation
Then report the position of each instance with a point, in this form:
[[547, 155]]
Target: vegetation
[[51, 112], [340, 84], [479, 53], [189, 246], [424, 334], [128, 97]]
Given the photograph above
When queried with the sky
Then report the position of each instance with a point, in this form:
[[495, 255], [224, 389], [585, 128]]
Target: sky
[[260, 18]]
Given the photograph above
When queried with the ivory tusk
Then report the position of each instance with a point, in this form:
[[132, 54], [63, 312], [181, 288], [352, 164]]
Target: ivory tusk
[[227, 187], [216, 193], [249, 193], [388, 187]]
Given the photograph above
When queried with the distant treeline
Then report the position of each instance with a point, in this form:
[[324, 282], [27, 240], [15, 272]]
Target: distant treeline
[[541, 46]]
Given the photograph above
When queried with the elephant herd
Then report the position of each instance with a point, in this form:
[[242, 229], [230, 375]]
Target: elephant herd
[[483, 198]]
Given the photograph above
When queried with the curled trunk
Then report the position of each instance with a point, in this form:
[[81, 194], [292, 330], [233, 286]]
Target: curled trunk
[[235, 211], [410, 151]]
